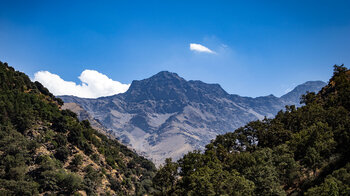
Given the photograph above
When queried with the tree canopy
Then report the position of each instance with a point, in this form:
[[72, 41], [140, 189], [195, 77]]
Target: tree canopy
[[46, 150], [300, 151]]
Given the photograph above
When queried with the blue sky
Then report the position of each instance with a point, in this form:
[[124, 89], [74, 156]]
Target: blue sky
[[261, 47]]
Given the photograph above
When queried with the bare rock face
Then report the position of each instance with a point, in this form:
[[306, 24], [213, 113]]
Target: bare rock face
[[166, 116], [82, 114]]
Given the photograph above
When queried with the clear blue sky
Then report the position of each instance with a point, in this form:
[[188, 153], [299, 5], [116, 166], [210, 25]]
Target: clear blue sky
[[262, 47]]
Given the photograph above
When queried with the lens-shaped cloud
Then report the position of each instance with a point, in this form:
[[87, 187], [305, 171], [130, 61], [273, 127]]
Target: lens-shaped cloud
[[200, 48]]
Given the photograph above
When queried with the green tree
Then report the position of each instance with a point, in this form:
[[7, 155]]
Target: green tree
[[165, 180]]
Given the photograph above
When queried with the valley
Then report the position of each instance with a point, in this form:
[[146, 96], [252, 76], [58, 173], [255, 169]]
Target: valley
[[167, 116]]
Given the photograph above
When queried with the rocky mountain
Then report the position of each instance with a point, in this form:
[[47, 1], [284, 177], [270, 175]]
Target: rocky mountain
[[293, 97], [84, 115], [167, 116], [301, 151]]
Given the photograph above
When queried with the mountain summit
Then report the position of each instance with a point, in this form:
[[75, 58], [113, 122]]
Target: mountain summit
[[162, 86], [294, 95], [169, 86], [167, 116]]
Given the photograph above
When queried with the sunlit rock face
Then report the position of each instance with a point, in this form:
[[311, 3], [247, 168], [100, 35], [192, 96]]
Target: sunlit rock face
[[166, 116]]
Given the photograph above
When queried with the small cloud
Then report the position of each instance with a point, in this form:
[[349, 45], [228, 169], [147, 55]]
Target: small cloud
[[94, 84], [200, 48]]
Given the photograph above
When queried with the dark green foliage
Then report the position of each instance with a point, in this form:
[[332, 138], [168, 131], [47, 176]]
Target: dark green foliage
[[92, 179], [76, 162], [62, 153], [302, 150], [11, 187], [69, 182], [165, 179], [337, 183], [38, 139], [61, 140]]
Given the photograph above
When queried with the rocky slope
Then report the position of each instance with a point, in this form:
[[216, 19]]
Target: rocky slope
[[167, 116], [84, 115], [46, 150], [301, 151]]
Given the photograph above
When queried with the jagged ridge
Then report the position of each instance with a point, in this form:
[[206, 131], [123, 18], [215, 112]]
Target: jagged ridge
[[166, 116]]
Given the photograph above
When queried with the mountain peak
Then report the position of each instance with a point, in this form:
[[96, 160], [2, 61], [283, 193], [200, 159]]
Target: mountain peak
[[163, 76], [162, 113], [317, 82], [160, 79], [167, 86], [166, 74], [163, 85], [311, 86]]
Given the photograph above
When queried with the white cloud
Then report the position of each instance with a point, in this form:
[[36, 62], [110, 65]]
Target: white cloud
[[200, 48], [94, 84]]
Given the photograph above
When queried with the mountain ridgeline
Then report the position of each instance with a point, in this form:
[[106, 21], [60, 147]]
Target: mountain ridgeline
[[301, 151], [46, 150], [167, 116]]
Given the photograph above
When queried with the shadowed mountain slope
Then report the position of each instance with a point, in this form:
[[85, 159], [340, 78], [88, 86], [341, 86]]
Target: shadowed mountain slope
[[301, 151], [167, 116]]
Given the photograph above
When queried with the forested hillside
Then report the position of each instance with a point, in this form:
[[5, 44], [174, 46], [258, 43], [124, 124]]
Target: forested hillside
[[46, 150], [302, 151]]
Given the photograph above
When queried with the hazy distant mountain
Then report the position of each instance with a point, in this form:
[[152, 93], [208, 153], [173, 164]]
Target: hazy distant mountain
[[294, 96], [167, 116]]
